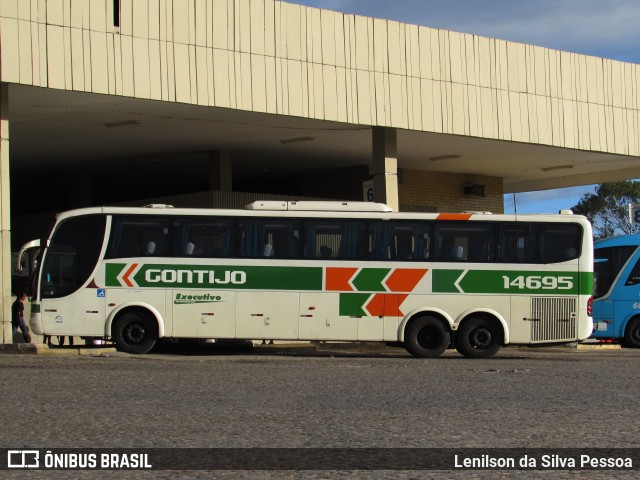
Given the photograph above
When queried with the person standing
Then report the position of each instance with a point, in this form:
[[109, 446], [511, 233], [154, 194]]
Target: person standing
[[17, 317]]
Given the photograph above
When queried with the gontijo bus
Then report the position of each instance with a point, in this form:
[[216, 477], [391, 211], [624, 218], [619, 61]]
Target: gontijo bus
[[616, 293], [344, 271]]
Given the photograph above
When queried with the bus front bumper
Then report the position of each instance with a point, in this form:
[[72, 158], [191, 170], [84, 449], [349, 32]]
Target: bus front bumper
[[601, 329], [35, 322]]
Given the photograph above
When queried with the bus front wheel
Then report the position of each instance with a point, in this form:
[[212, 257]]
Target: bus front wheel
[[478, 337], [426, 337], [632, 333], [135, 332]]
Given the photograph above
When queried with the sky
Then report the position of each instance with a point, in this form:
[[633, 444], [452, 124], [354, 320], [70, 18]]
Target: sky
[[603, 28]]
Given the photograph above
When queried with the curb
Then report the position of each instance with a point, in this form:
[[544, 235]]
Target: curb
[[596, 347], [325, 349], [285, 349], [40, 349], [314, 348]]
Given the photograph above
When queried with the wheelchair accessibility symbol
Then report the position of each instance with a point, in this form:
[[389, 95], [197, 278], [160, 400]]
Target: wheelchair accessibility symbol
[[101, 293]]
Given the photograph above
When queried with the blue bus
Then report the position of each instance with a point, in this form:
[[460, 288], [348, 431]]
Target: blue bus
[[616, 291]]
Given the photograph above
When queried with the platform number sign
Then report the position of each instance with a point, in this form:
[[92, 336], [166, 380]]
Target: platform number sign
[[634, 213], [368, 191]]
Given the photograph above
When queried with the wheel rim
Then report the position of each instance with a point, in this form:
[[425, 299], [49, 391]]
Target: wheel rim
[[429, 338], [134, 334], [481, 338], [635, 333]]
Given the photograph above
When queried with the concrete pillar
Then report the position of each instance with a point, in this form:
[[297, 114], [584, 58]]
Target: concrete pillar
[[220, 174], [384, 166], [5, 219]]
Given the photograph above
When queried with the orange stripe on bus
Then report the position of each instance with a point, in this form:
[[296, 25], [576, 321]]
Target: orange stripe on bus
[[337, 279], [125, 277], [454, 216], [385, 305], [405, 279]]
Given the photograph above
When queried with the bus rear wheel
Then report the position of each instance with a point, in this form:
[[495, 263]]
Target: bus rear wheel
[[426, 337], [135, 332], [478, 337], [632, 333]]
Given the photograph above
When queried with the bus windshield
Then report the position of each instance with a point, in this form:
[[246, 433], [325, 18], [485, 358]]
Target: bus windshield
[[608, 262], [72, 255]]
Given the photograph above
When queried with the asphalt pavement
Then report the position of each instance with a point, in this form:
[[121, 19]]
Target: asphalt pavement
[[321, 397]]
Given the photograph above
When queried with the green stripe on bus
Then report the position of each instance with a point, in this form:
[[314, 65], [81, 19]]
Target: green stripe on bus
[[219, 276], [370, 280], [351, 304], [112, 270], [586, 283], [444, 280], [512, 282], [367, 280]]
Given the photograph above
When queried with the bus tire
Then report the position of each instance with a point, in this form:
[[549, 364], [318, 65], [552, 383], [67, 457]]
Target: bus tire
[[135, 332], [478, 337], [632, 333], [426, 337]]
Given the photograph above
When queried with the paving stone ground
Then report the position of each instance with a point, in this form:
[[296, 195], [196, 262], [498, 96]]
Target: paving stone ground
[[523, 398]]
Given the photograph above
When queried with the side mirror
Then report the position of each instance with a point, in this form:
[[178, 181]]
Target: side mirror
[[23, 251]]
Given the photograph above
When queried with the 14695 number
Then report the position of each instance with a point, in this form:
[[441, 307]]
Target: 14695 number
[[538, 282]]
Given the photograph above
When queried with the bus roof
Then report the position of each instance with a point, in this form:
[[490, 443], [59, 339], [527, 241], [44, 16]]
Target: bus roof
[[318, 206], [619, 241], [344, 210], [312, 209]]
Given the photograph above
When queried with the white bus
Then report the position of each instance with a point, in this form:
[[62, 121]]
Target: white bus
[[333, 271]]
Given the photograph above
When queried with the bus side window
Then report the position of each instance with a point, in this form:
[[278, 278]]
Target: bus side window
[[607, 264], [404, 247], [465, 241], [325, 252], [150, 249], [382, 239], [457, 252], [404, 241], [203, 237], [634, 276], [269, 238], [252, 238], [560, 242], [351, 241], [133, 236], [344, 239], [422, 241], [519, 243]]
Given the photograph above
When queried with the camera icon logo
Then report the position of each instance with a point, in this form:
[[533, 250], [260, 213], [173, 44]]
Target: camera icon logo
[[23, 459]]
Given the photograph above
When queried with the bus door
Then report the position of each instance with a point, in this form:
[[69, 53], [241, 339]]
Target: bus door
[[65, 308], [71, 303]]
